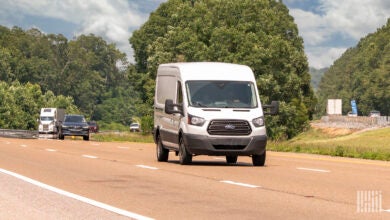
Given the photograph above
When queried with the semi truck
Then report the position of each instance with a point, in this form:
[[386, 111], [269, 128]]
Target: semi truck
[[49, 121]]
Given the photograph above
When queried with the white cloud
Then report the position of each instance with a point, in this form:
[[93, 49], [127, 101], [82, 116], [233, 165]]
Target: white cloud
[[320, 57], [355, 19], [114, 20], [347, 19], [312, 27]]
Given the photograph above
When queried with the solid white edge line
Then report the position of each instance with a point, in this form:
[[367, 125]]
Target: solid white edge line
[[77, 197], [23, 145], [314, 170], [239, 184], [89, 156], [147, 167]]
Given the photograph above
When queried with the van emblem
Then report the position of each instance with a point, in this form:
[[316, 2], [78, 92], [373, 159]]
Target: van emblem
[[230, 127]]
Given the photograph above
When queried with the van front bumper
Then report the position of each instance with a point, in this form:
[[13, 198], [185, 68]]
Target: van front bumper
[[222, 146]]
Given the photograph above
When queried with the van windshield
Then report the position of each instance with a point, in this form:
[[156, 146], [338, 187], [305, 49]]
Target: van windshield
[[221, 94]]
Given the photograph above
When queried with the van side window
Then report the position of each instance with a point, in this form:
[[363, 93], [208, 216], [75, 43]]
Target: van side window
[[179, 98], [165, 88]]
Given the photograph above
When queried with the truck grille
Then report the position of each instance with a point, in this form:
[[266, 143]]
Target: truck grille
[[45, 127], [229, 127]]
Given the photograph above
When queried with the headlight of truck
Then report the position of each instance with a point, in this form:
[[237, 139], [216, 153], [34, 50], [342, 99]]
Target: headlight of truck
[[194, 120], [258, 122]]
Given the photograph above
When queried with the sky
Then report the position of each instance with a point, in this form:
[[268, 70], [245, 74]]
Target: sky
[[328, 27]]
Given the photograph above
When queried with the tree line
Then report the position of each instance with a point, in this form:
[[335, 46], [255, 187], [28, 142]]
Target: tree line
[[85, 71], [362, 73], [257, 33]]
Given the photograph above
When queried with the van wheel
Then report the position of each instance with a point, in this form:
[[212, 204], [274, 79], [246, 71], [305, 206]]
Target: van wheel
[[231, 159], [61, 137], [184, 155], [162, 153], [86, 138], [259, 160]]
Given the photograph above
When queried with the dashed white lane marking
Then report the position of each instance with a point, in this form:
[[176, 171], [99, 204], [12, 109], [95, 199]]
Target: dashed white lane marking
[[314, 170], [95, 144], [147, 167], [89, 156], [239, 184], [123, 147], [23, 145], [50, 150], [77, 197], [219, 158], [385, 210]]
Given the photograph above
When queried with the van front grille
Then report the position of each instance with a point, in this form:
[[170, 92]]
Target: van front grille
[[229, 127]]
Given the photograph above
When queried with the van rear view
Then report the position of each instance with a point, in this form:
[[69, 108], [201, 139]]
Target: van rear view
[[208, 108]]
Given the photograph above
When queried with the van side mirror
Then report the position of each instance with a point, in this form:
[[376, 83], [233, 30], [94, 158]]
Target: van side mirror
[[170, 107], [273, 108]]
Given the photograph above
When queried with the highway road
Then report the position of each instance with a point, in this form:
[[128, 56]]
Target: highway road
[[75, 179]]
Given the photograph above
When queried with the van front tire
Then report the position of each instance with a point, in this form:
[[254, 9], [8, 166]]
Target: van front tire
[[184, 155], [162, 153], [259, 160]]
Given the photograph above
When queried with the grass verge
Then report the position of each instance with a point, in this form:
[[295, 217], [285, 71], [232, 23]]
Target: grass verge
[[373, 144], [122, 137]]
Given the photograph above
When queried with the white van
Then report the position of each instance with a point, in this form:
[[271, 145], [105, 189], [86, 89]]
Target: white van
[[209, 108]]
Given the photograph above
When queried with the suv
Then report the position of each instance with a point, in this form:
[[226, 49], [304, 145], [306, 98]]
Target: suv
[[134, 127], [93, 127], [375, 113], [74, 125]]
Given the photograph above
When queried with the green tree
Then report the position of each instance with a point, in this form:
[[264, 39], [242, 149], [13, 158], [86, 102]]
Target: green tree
[[258, 33]]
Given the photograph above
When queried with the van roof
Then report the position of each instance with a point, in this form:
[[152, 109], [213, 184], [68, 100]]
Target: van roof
[[208, 71]]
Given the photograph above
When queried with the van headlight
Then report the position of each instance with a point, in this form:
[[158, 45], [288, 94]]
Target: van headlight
[[258, 122], [194, 120]]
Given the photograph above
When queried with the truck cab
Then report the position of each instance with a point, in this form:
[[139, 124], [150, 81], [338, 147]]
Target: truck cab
[[50, 120]]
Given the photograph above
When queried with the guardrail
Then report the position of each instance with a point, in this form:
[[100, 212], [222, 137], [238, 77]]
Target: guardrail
[[27, 134], [358, 122]]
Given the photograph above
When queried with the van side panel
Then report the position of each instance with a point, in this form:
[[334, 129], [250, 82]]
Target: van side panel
[[166, 88]]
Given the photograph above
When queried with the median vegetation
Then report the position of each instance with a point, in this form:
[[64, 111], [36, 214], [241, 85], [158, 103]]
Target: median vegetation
[[120, 136], [370, 144]]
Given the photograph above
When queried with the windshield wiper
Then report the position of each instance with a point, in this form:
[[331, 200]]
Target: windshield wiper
[[200, 104]]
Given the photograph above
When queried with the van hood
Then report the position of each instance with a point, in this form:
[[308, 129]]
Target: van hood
[[226, 113]]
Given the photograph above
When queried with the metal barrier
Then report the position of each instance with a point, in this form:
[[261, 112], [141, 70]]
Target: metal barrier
[[27, 134], [358, 122]]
